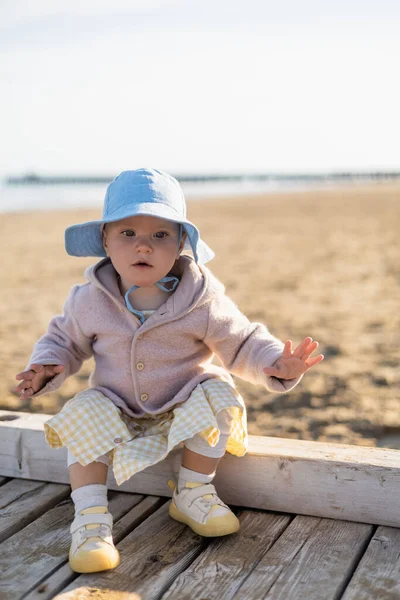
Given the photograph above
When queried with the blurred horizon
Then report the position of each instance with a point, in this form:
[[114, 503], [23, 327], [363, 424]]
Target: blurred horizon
[[34, 178], [200, 87], [34, 193]]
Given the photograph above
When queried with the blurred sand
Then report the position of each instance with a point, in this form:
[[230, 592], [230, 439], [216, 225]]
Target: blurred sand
[[322, 263]]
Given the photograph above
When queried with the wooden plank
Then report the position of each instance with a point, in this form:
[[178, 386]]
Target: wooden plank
[[22, 501], [311, 478], [154, 555], [226, 563], [378, 573], [36, 551], [58, 580], [19, 437], [312, 559]]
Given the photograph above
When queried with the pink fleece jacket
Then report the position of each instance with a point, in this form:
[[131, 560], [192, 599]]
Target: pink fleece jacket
[[151, 367]]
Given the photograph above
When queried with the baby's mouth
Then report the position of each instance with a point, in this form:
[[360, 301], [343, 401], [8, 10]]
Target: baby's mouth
[[141, 263]]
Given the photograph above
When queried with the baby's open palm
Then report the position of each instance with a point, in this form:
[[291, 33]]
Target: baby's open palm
[[35, 378], [294, 363]]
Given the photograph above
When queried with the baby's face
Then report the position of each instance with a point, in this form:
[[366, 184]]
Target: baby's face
[[142, 249]]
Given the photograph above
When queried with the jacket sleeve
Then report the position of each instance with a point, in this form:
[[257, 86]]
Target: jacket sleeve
[[244, 348], [63, 344]]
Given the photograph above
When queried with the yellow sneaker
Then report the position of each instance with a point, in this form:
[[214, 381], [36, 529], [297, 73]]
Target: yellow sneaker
[[92, 548], [198, 506]]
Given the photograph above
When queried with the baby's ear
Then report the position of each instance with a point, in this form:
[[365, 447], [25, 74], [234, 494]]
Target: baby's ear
[[182, 243]]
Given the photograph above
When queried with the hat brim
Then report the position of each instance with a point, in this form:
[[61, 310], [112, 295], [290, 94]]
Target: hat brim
[[85, 239]]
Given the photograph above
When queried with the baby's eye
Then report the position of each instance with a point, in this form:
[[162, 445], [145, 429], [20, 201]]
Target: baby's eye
[[161, 235], [128, 233]]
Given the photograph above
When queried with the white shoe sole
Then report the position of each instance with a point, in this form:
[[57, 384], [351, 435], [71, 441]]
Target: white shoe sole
[[215, 526]]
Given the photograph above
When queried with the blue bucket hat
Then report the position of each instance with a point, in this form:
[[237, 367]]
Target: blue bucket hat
[[140, 192]]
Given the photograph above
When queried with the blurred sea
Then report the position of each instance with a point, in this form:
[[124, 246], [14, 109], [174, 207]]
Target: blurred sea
[[33, 197]]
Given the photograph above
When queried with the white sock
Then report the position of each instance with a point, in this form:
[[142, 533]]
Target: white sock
[[88, 496], [187, 475]]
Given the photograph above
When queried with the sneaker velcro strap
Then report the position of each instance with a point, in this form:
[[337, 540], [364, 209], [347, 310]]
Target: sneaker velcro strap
[[200, 491], [91, 519]]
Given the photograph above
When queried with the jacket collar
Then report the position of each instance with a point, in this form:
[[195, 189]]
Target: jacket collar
[[191, 291]]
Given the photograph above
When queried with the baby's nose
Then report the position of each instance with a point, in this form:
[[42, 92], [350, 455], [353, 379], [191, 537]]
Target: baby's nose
[[143, 244]]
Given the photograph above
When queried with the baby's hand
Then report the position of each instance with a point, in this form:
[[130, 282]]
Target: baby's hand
[[293, 364], [36, 378]]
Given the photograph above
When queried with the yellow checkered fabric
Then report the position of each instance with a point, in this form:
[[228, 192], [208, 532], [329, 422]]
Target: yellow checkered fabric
[[90, 425]]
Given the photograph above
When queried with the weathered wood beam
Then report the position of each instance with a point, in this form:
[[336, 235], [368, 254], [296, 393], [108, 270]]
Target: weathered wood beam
[[310, 478]]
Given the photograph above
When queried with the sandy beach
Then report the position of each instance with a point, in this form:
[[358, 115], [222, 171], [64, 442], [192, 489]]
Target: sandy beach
[[321, 263]]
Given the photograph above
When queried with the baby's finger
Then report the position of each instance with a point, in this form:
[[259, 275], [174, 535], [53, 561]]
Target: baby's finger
[[36, 368], [22, 386], [287, 350], [28, 393], [24, 375], [307, 353], [311, 362], [56, 368], [302, 347], [25, 383], [271, 371]]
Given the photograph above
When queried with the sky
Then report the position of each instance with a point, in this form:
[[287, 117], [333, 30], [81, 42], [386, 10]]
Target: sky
[[199, 86]]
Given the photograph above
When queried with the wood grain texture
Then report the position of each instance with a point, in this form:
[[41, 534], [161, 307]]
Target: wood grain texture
[[36, 551], [274, 556], [311, 560], [378, 573], [155, 553], [226, 563], [311, 478], [141, 508], [22, 501]]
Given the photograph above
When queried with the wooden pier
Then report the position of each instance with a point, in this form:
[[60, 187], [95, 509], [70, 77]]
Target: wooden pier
[[318, 522]]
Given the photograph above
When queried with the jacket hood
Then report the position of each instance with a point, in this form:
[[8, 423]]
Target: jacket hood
[[197, 285]]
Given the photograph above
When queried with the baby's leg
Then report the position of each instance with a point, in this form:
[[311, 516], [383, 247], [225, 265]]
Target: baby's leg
[[92, 547], [199, 456], [88, 483], [95, 472], [198, 462], [196, 502]]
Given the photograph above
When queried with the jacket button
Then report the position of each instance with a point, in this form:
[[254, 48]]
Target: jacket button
[[140, 336], [140, 366], [118, 440], [144, 397]]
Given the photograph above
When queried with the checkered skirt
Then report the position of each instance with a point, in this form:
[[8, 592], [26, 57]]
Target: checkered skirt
[[90, 425]]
